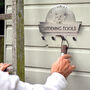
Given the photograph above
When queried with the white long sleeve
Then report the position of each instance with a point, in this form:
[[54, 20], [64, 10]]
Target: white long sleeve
[[11, 82]]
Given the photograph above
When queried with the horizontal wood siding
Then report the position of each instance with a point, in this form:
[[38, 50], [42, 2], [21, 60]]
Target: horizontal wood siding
[[33, 38], [41, 54], [77, 81], [45, 57], [37, 13], [28, 2]]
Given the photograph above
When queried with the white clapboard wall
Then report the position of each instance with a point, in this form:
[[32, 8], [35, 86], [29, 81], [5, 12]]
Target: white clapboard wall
[[39, 56]]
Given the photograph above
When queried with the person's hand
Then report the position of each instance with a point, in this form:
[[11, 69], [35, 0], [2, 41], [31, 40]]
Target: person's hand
[[63, 66], [3, 66]]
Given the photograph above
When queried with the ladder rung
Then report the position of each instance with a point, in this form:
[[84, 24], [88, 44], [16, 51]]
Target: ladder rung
[[5, 16]]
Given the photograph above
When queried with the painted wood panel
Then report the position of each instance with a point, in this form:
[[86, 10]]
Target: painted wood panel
[[37, 14], [39, 58], [28, 2], [39, 75], [76, 81], [44, 57], [33, 38]]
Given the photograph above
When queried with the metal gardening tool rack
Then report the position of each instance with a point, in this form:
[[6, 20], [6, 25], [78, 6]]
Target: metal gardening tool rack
[[60, 22]]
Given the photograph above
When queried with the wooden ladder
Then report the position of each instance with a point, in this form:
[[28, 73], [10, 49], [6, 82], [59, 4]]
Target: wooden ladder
[[17, 17]]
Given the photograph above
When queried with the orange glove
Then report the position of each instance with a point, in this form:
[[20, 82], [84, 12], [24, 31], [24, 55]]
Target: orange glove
[[63, 66]]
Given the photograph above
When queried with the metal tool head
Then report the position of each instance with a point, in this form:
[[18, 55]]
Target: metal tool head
[[60, 14]]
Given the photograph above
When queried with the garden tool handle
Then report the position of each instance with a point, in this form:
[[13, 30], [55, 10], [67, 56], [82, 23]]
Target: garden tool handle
[[64, 49]]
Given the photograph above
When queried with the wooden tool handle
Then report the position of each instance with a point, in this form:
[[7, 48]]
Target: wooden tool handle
[[64, 49]]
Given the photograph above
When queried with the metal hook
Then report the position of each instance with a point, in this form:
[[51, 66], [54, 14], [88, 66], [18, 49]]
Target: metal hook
[[74, 38], [64, 40], [43, 38], [53, 38]]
